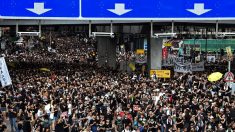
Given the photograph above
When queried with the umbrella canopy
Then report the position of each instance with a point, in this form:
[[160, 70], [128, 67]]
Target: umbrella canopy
[[215, 76], [44, 69]]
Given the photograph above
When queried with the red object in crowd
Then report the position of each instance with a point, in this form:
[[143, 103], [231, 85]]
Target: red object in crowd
[[171, 99], [164, 53], [122, 114], [53, 77]]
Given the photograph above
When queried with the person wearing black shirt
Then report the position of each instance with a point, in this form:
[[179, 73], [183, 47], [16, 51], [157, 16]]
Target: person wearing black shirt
[[152, 122], [59, 127], [27, 125], [187, 118], [179, 123], [108, 126], [65, 125], [163, 122], [12, 113], [102, 126]]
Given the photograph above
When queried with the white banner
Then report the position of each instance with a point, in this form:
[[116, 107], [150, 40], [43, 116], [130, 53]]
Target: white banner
[[198, 66], [172, 59], [4, 74], [189, 67], [141, 59], [169, 61], [182, 68], [210, 58]]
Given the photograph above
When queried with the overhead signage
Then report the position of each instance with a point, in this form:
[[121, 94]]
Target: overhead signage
[[117, 9], [39, 9]]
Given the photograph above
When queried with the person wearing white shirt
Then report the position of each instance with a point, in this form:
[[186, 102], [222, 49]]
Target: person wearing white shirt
[[127, 129], [156, 98], [70, 108], [47, 108], [39, 113]]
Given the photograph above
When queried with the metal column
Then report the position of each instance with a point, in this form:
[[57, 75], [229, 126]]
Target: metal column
[[40, 28], [17, 28]]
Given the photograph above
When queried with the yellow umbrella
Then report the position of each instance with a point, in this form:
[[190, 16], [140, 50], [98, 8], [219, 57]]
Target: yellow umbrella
[[215, 76], [44, 69]]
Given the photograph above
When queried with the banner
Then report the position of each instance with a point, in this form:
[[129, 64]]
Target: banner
[[198, 66], [189, 67], [132, 66], [172, 59], [168, 44], [182, 68], [164, 53], [210, 59], [4, 74], [161, 73], [169, 61], [141, 59], [229, 53], [140, 51]]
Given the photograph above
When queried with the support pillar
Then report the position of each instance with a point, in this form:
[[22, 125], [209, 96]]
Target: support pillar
[[216, 28], [17, 28], [1, 32], [106, 52], [155, 48], [89, 28], [40, 28]]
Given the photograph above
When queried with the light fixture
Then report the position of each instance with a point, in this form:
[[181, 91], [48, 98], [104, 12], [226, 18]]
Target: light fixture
[[104, 34], [164, 35]]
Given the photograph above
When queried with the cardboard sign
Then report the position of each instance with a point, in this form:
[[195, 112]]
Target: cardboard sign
[[168, 44], [229, 53], [161, 73], [140, 51]]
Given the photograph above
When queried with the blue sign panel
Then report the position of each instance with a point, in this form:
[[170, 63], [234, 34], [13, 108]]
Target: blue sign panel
[[118, 9], [39, 8], [158, 9]]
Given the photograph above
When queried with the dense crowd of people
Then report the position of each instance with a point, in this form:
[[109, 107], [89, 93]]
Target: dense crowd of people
[[76, 95]]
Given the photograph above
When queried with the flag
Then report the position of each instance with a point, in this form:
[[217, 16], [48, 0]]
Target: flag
[[164, 53], [4, 74], [132, 66]]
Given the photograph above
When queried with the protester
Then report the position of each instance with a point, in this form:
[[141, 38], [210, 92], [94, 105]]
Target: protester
[[77, 95]]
